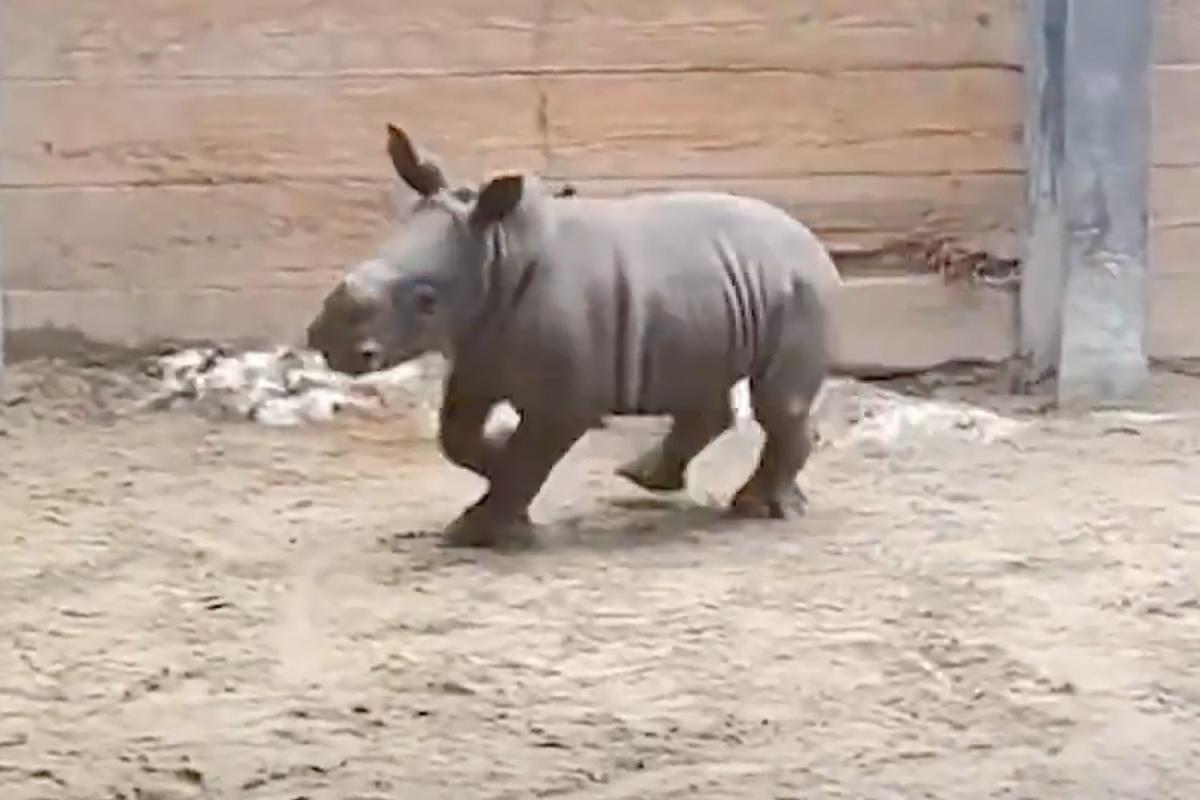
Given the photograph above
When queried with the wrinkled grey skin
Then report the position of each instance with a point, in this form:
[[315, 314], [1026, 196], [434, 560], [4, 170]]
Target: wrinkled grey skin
[[573, 308]]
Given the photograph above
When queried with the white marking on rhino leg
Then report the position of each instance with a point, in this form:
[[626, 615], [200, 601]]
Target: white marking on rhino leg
[[743, 409], [739, 399], [502, 419]]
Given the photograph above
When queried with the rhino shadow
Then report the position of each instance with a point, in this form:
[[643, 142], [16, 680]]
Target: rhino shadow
[[631, 522]]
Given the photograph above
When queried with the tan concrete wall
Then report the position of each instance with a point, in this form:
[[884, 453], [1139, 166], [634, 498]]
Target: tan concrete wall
[[1175, 182], [204, 167]]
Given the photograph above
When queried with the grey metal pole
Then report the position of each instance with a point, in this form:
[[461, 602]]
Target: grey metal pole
[[1087, 145], [3, 251], [1106, 197], [1043, 276]]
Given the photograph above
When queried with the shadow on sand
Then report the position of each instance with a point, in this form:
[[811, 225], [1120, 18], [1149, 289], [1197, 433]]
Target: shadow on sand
[[615, 524]]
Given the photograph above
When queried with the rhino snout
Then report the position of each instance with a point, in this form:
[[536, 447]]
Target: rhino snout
[[350, 360], [341, 352], [371, 355]]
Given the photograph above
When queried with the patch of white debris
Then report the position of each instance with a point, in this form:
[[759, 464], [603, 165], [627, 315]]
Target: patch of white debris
[[851, 412], [1133, 417], [280, 387], [292, 387]]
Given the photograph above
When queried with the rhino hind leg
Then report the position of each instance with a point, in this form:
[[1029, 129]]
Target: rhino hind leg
[[782, 397], [771, 492], [663, 468]]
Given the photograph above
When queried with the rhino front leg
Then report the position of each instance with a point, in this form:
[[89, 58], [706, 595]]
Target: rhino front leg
[[663, 468], [517, 475], [463, 433]]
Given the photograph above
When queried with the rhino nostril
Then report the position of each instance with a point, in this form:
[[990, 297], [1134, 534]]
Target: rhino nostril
[[369, 351]]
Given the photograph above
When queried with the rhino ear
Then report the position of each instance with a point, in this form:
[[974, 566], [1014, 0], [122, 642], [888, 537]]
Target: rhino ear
[[425, 178], [497, 200]]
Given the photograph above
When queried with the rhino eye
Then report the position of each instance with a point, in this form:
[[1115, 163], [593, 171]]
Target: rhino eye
[[424, 299]]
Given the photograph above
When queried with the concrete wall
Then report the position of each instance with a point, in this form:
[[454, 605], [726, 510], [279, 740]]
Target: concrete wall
[[1175, 182], [205, 167]]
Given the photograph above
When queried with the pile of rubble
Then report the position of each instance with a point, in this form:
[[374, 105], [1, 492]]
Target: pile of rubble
[[851, 412], [281, 387], [289, 387]]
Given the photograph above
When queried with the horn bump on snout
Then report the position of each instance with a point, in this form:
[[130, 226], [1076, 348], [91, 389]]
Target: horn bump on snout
[[363, 283], [357, 290]]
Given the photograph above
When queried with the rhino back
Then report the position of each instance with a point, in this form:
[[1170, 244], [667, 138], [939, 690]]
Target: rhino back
[[644, 304]]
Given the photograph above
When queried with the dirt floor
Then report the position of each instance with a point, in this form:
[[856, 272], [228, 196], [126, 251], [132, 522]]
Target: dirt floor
[[213, 610]]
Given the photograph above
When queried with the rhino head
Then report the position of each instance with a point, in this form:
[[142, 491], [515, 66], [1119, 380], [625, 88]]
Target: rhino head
[[425, 287]]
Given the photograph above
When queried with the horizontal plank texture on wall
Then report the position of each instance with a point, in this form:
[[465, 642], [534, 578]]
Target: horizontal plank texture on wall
[[1175, 182], [194, 149]]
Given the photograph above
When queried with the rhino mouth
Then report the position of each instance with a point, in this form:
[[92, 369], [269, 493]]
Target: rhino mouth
[[340, 355]]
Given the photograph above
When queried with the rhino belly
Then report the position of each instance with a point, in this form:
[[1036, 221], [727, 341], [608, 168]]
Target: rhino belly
[[674, 366]]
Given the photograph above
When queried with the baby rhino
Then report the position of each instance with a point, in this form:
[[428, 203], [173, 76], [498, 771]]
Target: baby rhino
[[574, 308]]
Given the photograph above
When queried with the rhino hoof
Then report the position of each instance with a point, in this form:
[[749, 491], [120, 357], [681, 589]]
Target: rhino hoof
[[474, 529], [650, 473], [793, 503]]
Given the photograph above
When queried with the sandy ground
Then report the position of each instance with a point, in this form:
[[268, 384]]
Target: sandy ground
[[225, 611]]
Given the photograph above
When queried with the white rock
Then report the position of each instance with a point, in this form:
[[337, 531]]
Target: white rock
[[226, 375], [307, 378], [406, 374], [280, 412], [1129, 417]]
